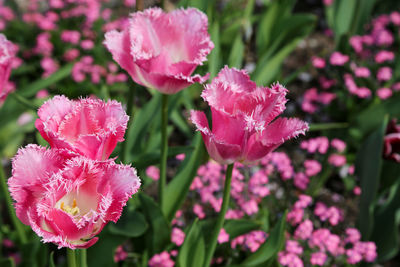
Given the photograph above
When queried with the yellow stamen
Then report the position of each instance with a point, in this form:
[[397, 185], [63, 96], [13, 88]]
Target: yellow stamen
[[74, 210]]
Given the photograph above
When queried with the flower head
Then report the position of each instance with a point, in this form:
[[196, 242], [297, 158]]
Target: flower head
[[67, 199], [8, 52], [90, 127], [161, 50], [244, 127]]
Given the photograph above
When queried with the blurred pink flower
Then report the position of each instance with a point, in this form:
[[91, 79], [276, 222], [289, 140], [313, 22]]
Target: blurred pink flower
[[8, 53], [318, 258], [338, 59], [120, 254], [68, 199], [362, 72], [383, 56], [153, 172], [90, 127], [384, 93], [242, 116], [384, 74], [318, 62], [337, 160], [161, 260], [161, 50], [177, 236], [223, 236]]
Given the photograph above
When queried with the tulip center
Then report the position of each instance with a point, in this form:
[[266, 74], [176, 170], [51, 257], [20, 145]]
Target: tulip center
[[73, 210]]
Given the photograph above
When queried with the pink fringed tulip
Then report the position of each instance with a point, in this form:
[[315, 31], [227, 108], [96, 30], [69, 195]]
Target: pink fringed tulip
[[90, 127], [67, 199], [161, 50], [7, 54], [242, 118]]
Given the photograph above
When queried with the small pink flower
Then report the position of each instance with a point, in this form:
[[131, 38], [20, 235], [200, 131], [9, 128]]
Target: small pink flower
[[384, 74], [242, 114], [161, 260], [304, 230], [292, 246], [8, 53], [337, 160], [395, 18], [328, 2], [318, 258], [87, 126], [338, 59], [313, 167], [161, 50], [318, 62], [383, 56], [177, 236], [384, 93], [72, 37], [153, 172], [120, 254], [362, 72], [338, 144], [67, 199], [223, 236], [357, 190]]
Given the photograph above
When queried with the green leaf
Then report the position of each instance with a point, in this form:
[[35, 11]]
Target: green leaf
[[239, 227], [386, 229], [368, 167], [159, 231], [9, 262], [102, 253], [214, 60], [271, 247], [237, 53], [131, 224], [176, 191], [345, 16], [192, 252], [266, 71], [372, 117], [40, 84]]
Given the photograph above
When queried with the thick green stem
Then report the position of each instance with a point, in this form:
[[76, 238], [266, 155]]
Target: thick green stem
[[83, 258], [129, 111], [17, 224], [71, 258], [164, 149], [221, 216]]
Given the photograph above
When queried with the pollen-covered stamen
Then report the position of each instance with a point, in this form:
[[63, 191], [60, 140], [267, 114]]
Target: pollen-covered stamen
[[73, 210]]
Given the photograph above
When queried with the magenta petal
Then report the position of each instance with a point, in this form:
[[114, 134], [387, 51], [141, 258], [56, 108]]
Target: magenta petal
[[219, 150], [283, 129]]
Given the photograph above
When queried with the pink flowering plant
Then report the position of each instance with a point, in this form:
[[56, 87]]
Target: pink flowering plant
[[264, 133]]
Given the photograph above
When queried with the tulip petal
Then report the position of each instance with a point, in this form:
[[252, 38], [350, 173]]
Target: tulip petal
[[219, 150]]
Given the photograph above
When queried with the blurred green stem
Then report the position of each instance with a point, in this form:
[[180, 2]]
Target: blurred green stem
[[83, 258], [71, 258], [164, 149], [17, 224], [129, 111], [221, 216], [328, 126], [22, 100]]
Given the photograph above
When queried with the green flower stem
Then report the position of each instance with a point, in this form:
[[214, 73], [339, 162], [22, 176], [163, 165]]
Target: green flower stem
[[129, 111], [71, 258], [17, 224], [83, 258], [221, 216], [164, 149]]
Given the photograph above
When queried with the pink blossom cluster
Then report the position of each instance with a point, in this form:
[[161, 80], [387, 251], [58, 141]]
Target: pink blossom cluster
[[162, 259], [321, 244], [56, 44], [365, 72]]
